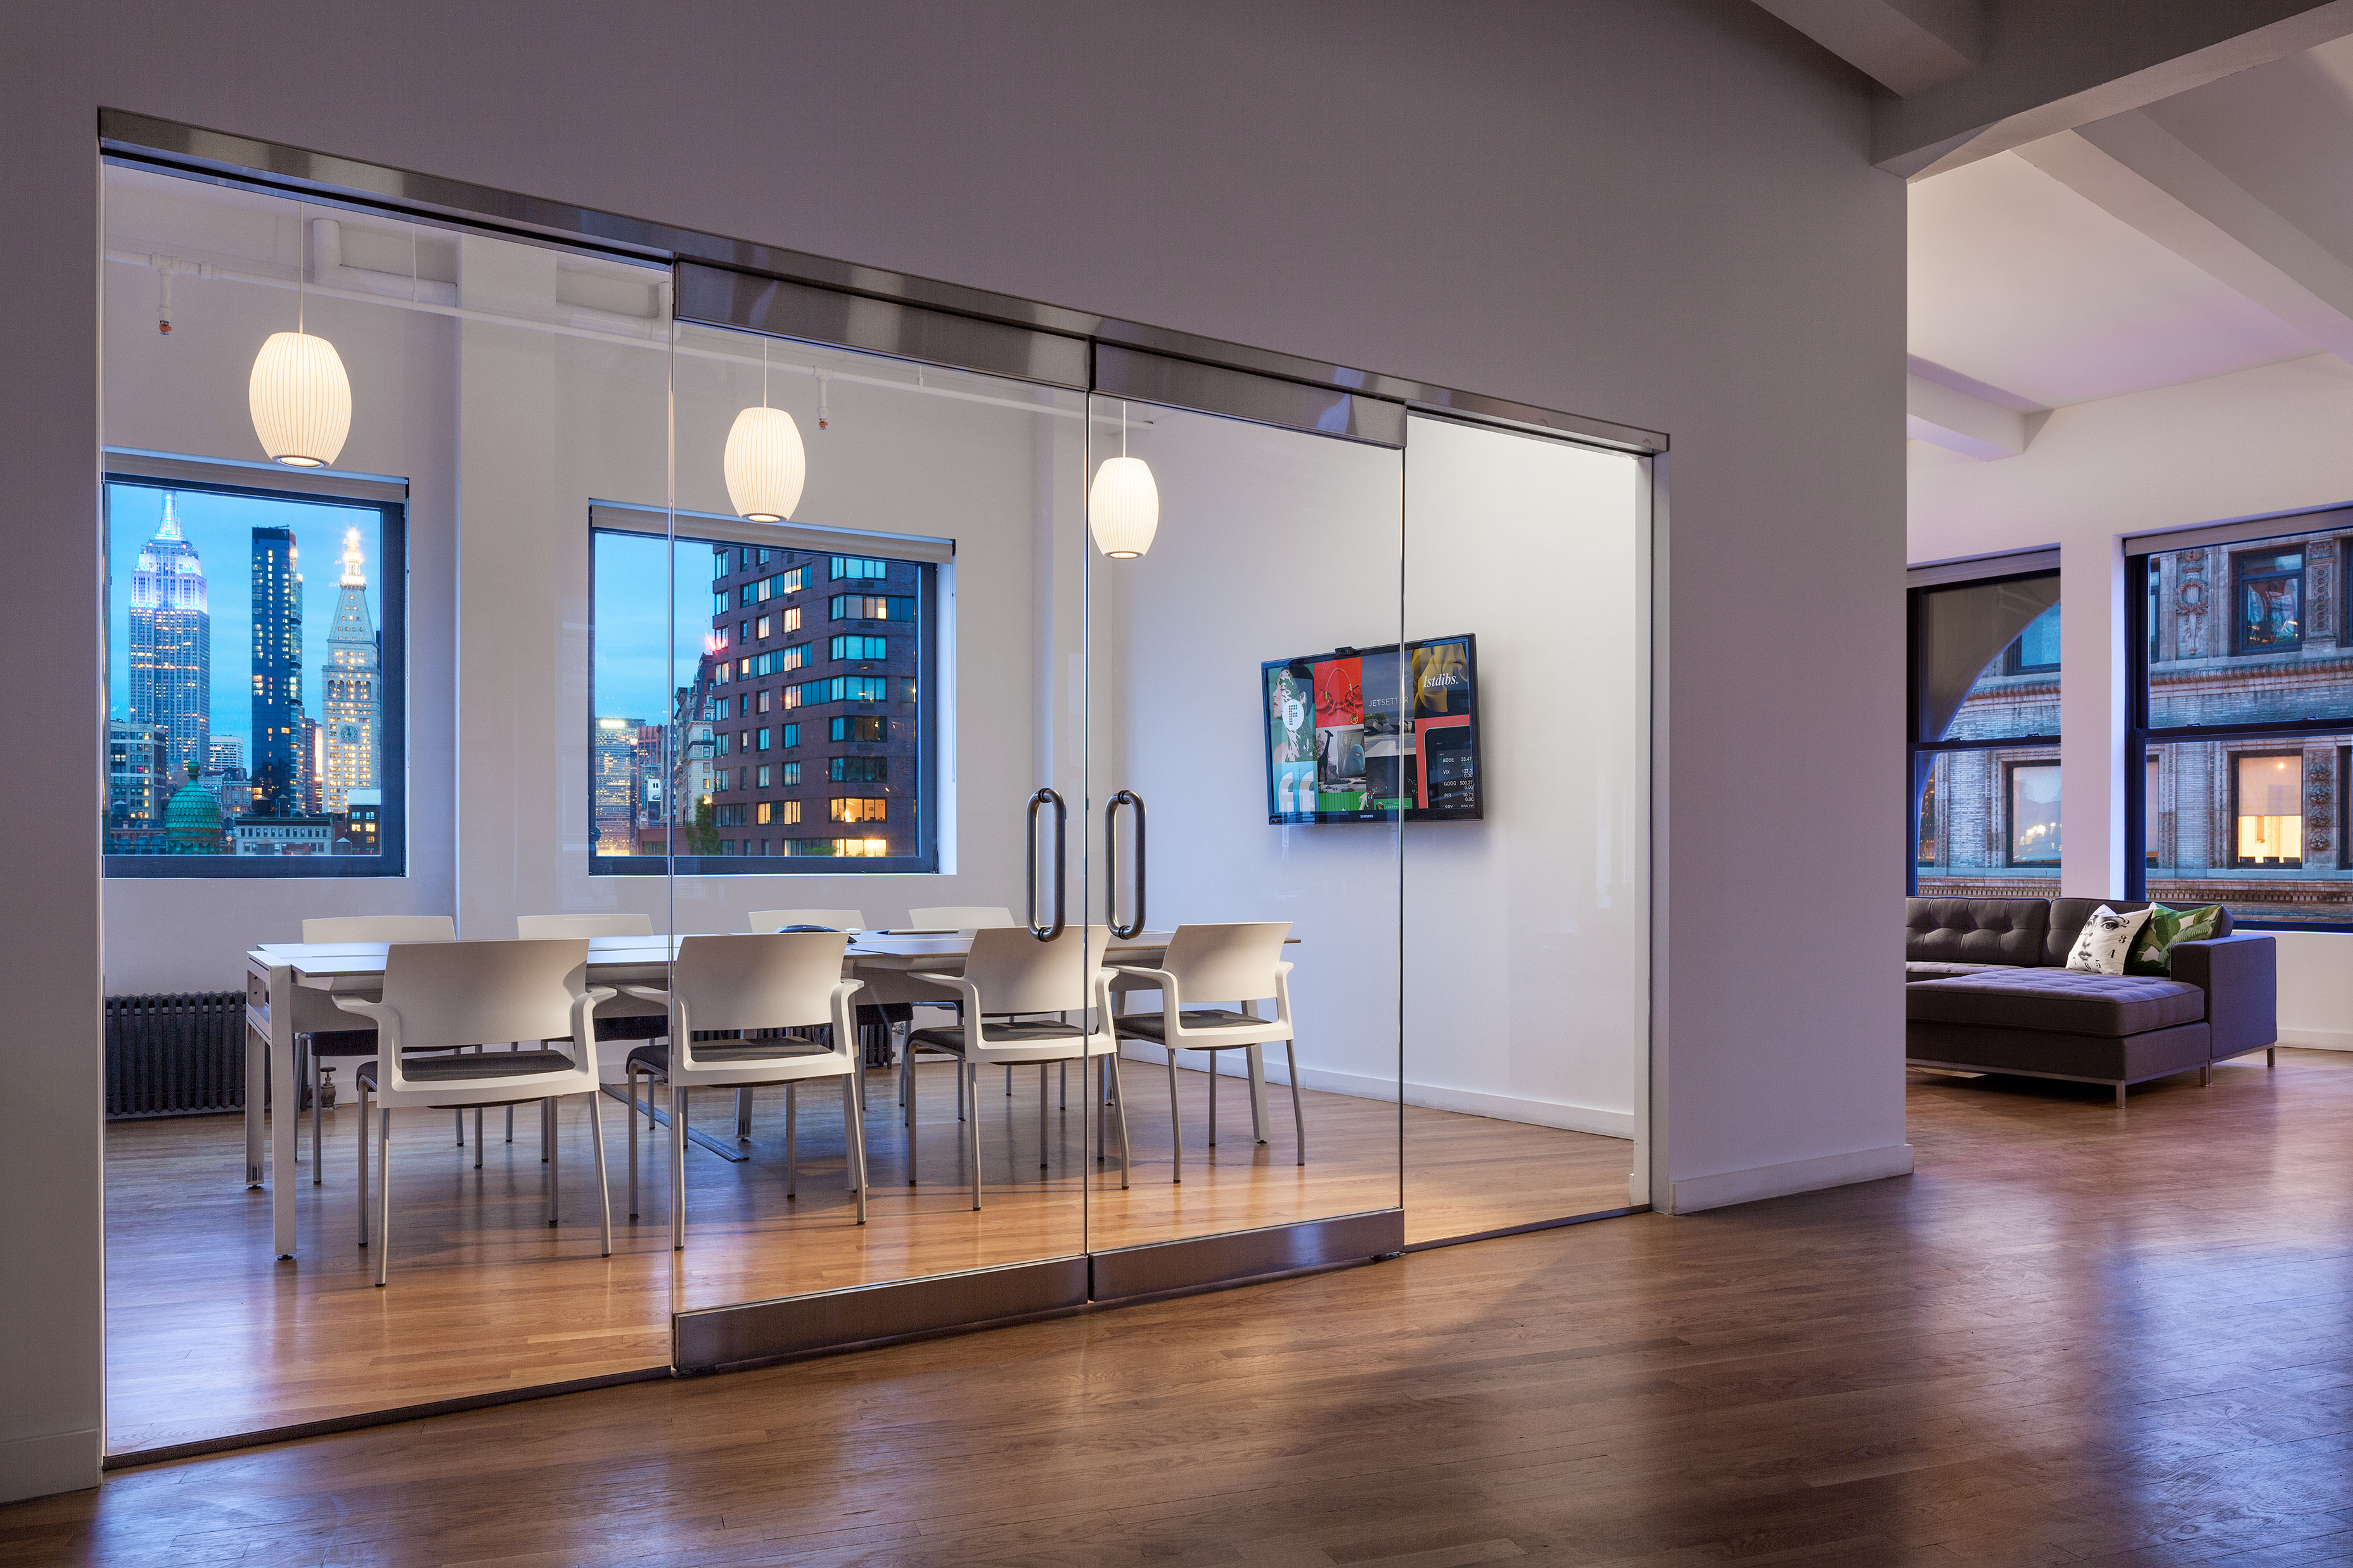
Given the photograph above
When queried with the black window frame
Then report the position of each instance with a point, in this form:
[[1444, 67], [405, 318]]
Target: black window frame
[[922, 800], [2239, 580], [391, 859], [1921, 754]]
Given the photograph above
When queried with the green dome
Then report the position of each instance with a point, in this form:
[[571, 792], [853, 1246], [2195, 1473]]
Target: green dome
[[192, 821]]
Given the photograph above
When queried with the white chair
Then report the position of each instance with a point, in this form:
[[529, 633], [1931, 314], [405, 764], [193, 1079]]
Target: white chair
[[443, 997], [787, 980], [322, 1030], [1008, 970], [961, 917], [547, 928], [765, 922], [1241, 963]]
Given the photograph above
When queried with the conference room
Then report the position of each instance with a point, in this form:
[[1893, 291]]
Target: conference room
[[662, 817]]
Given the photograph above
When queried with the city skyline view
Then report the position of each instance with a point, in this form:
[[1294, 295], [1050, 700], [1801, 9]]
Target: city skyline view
[[219, 529], [639, 662]]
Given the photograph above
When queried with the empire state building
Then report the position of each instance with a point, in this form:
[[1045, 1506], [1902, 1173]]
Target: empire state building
[[171, 643], [348, 686]]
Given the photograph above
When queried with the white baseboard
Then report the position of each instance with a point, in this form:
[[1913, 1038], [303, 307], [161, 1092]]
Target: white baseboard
[[2318, 1040], [1696, 1193], [54, 1462], [1436, 1097]]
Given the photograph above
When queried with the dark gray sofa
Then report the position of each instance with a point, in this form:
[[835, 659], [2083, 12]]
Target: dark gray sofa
[[1988, 990]]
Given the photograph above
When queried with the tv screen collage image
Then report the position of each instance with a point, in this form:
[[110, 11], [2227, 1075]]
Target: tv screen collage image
[[1363, 735]]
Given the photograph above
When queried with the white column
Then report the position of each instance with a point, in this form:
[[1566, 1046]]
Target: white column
[[2093, 669]]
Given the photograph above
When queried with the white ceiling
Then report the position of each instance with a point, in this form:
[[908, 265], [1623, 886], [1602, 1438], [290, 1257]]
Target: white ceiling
[[2207, 234]]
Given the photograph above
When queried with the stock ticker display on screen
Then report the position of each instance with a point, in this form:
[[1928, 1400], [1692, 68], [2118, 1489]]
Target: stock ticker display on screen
[[1364, 734]]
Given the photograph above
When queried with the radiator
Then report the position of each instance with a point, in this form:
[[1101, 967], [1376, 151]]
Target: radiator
[[175, 1056]]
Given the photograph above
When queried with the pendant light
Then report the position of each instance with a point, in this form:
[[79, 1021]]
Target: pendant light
[[300, 396], [1123, 504], [766, 464]]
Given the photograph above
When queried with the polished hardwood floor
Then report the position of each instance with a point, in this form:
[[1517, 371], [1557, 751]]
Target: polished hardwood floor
[[208, 1336], [2075, 1335]]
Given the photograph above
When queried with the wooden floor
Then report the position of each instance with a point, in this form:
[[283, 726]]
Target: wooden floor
[[2076, 1335], [209, 1336]]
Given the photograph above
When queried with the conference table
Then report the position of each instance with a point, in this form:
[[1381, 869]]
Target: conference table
[[289, 989]]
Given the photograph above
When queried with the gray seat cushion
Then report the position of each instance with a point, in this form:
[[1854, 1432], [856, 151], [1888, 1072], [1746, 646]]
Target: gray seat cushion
[[655, 1059], [472, 1065], [1915, 969], [1154, 1025], [2057, 1001], [951, 1037], [1976, 930]]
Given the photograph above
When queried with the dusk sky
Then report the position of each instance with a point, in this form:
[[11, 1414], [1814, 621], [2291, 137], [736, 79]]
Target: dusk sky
[[633, 679], [221, 528]]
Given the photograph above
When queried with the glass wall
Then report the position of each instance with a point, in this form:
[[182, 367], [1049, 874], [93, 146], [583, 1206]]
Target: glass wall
[[1985, 736], [2244, 693]]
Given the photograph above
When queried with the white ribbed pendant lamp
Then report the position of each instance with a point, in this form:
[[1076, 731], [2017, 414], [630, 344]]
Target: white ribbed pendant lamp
[[1123, 504], [300, 397], [766, 464]]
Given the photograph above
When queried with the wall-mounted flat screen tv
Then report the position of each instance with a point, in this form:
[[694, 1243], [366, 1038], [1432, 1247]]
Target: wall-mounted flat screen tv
[[1364, 734]]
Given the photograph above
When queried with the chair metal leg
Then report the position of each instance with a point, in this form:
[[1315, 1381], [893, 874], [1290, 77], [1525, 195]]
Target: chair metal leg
[[554, 1148], [1119, 1097], [907, 1099], [382, 1195], [630, 1115], [546, 1130], [1176, 1121], [360, 1141], [792, 1136], [678, 1167], [1008, 1080], [1041, 1115], [604, 1186], [1298, 1118], [1062, 1088], [1102, 1111], [1213, 1099], [477, 1137], [318, 1131], [743, 1114], [509, 1123], [460, 1118], [972, 1125], [853, 1111]]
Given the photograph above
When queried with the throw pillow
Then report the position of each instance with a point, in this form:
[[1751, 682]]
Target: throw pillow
[[2153, 953], [2106, 938]]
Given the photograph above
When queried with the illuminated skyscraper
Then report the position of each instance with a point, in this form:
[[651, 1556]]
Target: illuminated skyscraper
[[278, 764], [347, 684], [613, 786], [171, 643]]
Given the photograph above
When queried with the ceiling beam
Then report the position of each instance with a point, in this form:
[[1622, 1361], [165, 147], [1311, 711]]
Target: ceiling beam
[[1905, 45], [1958, 422], [2137, 171], [2045, 67]]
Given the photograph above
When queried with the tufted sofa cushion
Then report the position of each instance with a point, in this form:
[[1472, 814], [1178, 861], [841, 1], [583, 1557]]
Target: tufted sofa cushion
[[1977, 930], [2057, 1001], [2068, 915]]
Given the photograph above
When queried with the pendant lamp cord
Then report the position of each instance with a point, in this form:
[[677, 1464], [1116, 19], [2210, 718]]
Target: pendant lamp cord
[[302, 260], [763, 372], [1122, 429]]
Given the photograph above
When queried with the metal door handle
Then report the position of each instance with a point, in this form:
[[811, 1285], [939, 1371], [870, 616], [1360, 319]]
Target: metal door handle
[[1111, 864], [1062, 817]]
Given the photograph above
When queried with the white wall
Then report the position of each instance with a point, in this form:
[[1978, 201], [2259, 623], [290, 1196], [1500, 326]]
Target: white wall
[[2249, 444], [1658, 211], [1527, 933]]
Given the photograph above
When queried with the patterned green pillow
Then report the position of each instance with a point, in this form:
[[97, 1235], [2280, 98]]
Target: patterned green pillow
[[2153, 952]]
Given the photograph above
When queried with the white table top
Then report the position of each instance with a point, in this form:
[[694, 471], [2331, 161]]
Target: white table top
[[358, 958]]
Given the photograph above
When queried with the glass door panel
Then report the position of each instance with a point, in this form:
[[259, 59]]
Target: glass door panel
[[874, 676], [1528, 926], [1246, 718]]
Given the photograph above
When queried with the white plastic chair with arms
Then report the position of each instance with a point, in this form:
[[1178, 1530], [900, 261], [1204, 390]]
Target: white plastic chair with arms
[[787, 980], [1241, 963], [324, 1031], [442, 995], [1010, 972]]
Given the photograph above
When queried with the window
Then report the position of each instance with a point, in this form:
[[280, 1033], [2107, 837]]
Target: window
[[2033, 813], [2241, 703], [861, 649], [275, 747], [840, 689], [2270, 602], [873, 607], [665, 674], [1985, 735]]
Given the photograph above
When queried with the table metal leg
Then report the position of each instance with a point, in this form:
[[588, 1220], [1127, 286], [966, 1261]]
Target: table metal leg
[[257, 1071], [284, 1119], [1256, 1057]]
